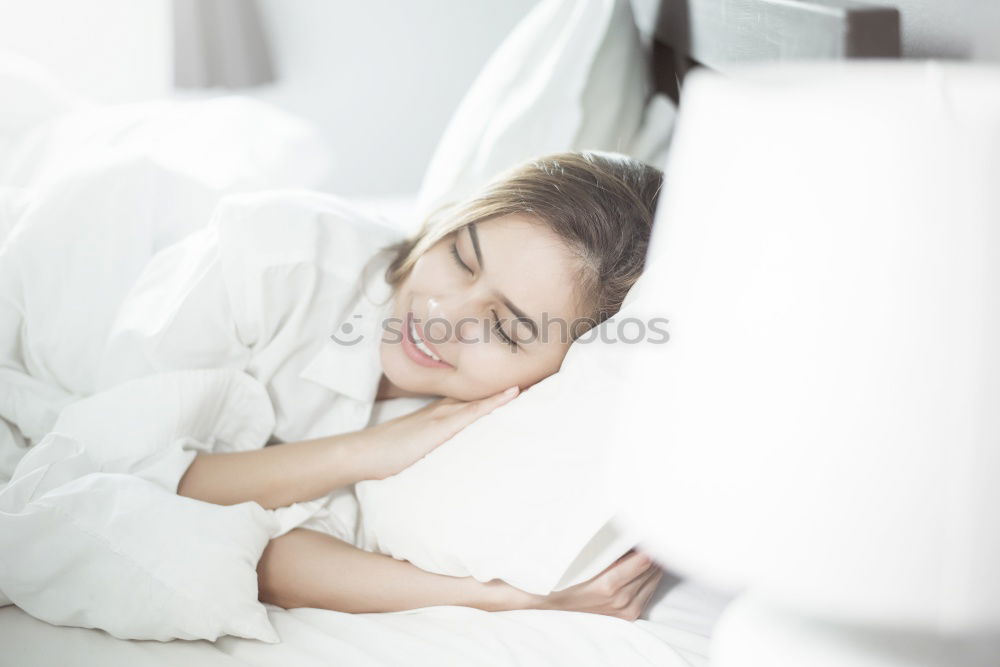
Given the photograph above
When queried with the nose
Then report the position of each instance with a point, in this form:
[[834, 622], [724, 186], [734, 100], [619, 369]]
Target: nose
[[452, 317]]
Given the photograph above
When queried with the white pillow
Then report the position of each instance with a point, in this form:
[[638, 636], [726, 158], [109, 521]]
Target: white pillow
[[519, 495], [572, 75]]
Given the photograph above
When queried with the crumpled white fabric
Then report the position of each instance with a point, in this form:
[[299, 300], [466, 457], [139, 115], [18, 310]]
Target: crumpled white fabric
[[572, 75], [73, 252], [229, 143], [92, 533], [226, 143]]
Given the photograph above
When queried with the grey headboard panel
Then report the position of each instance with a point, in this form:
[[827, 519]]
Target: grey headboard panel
[[719, 33]]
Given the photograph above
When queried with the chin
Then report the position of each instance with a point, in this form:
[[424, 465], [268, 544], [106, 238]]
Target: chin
[[401, 371]]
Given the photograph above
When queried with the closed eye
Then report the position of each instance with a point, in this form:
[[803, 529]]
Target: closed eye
[[458, 258], [502, 334]]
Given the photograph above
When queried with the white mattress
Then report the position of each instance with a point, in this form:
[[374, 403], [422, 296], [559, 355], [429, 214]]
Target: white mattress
[[677, 636]]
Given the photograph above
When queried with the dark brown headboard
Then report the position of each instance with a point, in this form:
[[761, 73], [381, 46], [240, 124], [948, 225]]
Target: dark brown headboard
[[719, 33]]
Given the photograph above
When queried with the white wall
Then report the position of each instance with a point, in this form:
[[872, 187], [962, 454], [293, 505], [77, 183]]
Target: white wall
[[107, 50], [381, 77]]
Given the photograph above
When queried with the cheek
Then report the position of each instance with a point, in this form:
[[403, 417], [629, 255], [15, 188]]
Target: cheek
[[488, 368]]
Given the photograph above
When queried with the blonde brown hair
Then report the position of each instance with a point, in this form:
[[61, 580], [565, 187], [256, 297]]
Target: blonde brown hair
[[601, 205]]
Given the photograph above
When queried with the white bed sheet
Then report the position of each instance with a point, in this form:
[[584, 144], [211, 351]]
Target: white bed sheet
[[445, 635]]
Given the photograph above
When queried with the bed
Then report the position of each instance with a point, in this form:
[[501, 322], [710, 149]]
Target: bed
[[677, 625]]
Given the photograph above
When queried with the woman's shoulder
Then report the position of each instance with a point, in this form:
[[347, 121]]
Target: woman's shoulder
[[280, 227]]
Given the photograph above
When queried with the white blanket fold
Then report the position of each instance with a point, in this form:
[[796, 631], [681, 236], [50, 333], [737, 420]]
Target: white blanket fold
[[92, 533]]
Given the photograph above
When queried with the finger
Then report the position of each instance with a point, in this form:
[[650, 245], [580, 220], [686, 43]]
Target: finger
[[652, 561], [645, 594], [627, 569], [627, 554], [460, 416], [650, 588], [631, 600], [616, 563], [490, 403], [630, 554], [632, 588]]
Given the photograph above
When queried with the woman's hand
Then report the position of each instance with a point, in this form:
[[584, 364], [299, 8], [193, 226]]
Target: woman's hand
[[392, 446], [623, 589], [298, 471]]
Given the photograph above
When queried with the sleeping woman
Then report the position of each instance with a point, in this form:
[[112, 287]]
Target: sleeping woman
[[483, 302]]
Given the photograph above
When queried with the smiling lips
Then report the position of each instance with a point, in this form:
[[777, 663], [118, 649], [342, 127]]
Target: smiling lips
[[419, 350]]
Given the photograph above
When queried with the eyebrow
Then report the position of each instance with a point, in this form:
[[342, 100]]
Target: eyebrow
[[520, 314]]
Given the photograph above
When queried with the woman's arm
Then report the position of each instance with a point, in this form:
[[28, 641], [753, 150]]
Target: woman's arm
[[293, 472], [305, 568], [278, 475]]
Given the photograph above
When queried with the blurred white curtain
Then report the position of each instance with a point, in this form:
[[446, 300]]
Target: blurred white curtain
[[220, 43]]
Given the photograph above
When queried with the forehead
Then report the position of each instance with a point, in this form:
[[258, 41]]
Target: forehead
[[530, 265]]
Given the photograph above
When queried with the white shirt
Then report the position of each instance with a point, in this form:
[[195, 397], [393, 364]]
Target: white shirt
[[261, 289]]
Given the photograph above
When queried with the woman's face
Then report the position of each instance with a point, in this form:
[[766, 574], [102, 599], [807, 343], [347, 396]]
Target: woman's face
[[485, 308]]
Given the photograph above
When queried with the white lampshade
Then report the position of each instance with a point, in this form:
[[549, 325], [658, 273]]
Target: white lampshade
[[823, 427]]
